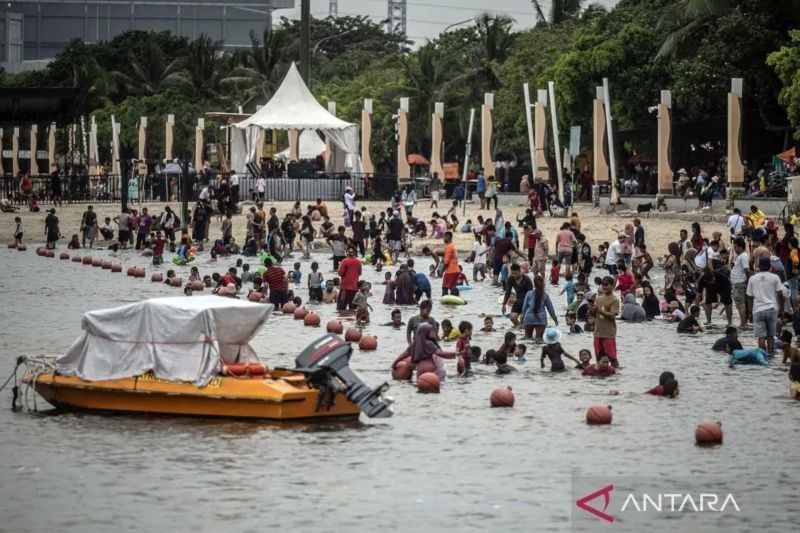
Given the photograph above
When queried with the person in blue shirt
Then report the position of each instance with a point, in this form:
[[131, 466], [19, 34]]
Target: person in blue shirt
[[535, 308], [570, 289], [422, 285], [296, 275], [481, 188], [458, 192]]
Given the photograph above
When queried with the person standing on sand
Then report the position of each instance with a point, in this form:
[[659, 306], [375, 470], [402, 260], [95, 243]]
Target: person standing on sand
[[89, 227], [606, 309], [51, 230], [451, 270], [435, 188]]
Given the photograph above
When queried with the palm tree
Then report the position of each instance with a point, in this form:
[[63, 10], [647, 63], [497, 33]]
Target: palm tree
[[150, 73], [560, 11], [264, 66], [685, 18], [593, 10], [496, 40], [201, 67]]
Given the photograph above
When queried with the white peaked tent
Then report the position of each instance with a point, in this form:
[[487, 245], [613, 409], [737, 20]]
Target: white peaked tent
[[294, 107], [309, 146]]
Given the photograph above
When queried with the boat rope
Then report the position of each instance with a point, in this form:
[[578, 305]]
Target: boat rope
[[37, 366], [15, 388]]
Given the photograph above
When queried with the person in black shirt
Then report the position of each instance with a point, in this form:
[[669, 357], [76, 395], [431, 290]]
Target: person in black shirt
[[690, 324], [729, 342], [359, 228], [521, 284], [396, 228], [500, 359]]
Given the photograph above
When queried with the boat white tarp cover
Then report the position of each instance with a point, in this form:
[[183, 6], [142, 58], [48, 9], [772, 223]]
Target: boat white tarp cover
[[179, 339]]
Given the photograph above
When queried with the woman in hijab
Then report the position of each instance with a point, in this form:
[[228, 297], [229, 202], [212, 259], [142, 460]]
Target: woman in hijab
[[424, 353], [632, 311]]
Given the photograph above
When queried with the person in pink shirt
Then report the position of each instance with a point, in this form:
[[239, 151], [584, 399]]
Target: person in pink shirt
[[565, 240]]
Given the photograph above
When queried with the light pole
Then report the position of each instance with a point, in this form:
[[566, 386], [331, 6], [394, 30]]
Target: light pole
[[455, 24], [328, 38]]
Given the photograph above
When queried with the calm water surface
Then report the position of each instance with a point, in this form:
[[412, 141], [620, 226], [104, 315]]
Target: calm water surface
[[443, 461]]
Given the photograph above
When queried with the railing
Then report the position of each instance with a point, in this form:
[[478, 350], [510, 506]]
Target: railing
[[155, 187]]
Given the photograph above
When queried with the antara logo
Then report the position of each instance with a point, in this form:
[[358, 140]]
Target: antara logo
[[605, 492]]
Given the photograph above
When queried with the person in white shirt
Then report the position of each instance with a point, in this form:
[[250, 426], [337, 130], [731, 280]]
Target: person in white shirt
[[739, 274], [234, 188], [205, 194], [706, 255], [479, 250], [736, 223], [765, 294], [261, 187], [613, 254]]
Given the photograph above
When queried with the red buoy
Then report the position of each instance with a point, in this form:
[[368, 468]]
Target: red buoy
[[131, 271], [87, 260], [116, 267], [77, 259], [368, 342], [708, 432], [311, 319], [177, 281], [288, 308], [157, 277], [502, 397], [428, 382], [300, 313], [139, 272], [41, 250], [63, 256], [21, 248], [402, 371], [197, 285], [253, 296], [335, 326], [598, 414], [96, 262], [223, 291], [352, 335], [12, 245], [50, 253], [106, 264]]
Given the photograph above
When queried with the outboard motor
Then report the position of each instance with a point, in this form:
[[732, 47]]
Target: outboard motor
[[326, 363]]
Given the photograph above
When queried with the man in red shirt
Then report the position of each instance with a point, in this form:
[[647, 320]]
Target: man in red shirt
[[275, 278], [350, 274]]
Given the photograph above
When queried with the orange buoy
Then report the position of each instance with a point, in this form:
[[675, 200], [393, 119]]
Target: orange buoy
[[106, 264], [197, 285], [368, 342], [402, 371], [157, 277], [116, 267], [288, 308], [87, 260], [708, 432], [300, 313], [12, 245], [311, 319], [335, 326], [244, 370], [96, 262], [139, 272], [50, 253], [352, 335], [598, 414], [223, 291], [254, 297], [63, 256], [77, 259], [177, 281], [428, 382], [21, 248], [41, 250], [131, 271], [502, 397]]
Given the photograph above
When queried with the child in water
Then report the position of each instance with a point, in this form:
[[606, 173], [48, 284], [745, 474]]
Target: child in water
[[794, 379], [690, 323], [519, 352], [449, 333], [602, 369], [509, 341], [17, 231], [360, 303], [488, 325], [501, 360], [572, 324], [295, 275], [553, 350], [667, 386], [74, 244], [569, 288], [585, 357], [463, 348], [555, 271]]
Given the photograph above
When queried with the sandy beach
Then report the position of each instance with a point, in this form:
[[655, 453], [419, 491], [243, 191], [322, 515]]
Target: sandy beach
[[597, 225]]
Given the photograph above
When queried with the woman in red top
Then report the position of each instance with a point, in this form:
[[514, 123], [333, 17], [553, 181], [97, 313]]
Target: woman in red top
[[697, 237], [533, 201]]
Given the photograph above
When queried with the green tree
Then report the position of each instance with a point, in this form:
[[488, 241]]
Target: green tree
[[685, 19], [786, 62], [264, 67], [149, 72], [560, 11]]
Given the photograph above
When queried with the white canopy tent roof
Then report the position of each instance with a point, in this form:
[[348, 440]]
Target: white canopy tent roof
[[294, 107]]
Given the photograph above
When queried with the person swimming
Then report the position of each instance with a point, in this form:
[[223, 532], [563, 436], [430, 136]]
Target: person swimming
[[554, 351]]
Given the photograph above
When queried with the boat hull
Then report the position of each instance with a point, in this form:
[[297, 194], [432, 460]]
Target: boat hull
[[287, 398]]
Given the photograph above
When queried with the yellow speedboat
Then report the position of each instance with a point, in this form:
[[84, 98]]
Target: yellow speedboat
[[181, 367]]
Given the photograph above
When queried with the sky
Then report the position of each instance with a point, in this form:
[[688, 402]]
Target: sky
[[425, 19]]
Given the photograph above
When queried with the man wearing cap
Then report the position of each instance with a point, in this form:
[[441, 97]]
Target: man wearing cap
[[350, 274], [606, 308], [764, 293]]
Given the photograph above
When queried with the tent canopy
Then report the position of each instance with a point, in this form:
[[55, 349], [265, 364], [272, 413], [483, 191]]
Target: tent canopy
[[309, 146], [293, 107]]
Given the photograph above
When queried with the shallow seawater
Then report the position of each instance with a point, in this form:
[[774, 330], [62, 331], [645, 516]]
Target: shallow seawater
[[444, 461]]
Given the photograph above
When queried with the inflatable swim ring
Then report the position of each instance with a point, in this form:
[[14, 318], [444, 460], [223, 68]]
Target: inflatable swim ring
[[367, 259], [265, 255], [464, 287], [176, 260], [452, 300], [260, 270]]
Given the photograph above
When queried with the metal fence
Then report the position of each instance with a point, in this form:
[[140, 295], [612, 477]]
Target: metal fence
[[153, 188]]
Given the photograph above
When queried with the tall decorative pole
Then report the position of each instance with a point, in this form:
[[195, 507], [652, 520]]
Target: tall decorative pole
[[556, 142], [437, 135], [15, 152], [366, 136], [116, 162], [611, 157], [467, 153], [665, 143], [529, 120], [198, 145], [94, 153], [294, 142], [52, 164], [2, 170], [542, 169], [486, 134], [168, 137], [33, 169], [403, 168], [142, 137], [599, 159], [735, 165], [330, 157]]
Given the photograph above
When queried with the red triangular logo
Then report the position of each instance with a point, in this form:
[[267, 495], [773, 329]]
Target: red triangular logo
[[606, 493]]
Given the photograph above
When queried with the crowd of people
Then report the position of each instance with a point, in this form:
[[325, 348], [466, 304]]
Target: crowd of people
[[753, 271]]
